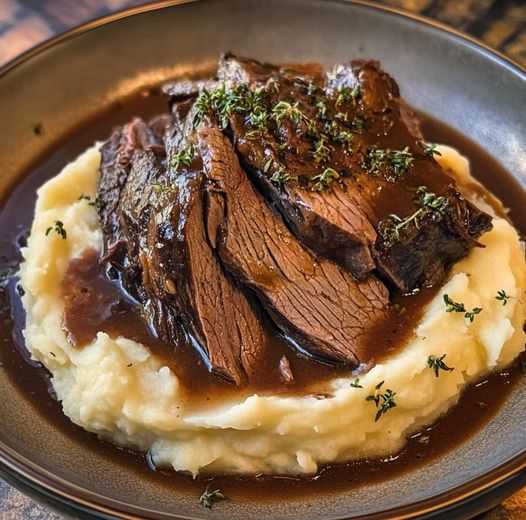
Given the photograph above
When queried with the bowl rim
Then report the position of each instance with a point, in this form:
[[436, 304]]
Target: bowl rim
[[22, 472]]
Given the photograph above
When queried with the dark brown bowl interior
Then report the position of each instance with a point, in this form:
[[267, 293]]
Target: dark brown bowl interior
[[440, 73]]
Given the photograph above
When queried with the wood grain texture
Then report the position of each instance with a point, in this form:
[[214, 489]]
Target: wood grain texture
[[25, 23]]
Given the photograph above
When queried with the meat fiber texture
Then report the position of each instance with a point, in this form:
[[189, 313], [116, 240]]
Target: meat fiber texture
[[141, 405]]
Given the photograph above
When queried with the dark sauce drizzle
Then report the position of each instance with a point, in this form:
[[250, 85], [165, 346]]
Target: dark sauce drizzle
[[476, 407]]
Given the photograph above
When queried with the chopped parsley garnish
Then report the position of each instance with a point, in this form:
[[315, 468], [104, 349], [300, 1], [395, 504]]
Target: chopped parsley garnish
[[430, 149], [210, 496], [430, 205], [58, 228], [356, 383], [183, 157], [452, 306], [325, 179], [383, 401], [437, 364], [392, 164], [502, 296]]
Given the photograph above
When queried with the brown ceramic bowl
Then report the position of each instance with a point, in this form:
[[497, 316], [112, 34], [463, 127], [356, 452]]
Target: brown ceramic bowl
[[66, 80]]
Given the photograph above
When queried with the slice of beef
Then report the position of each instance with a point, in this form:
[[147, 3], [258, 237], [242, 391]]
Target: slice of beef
[[434, 240], [181, 270], [131, 160], [313, 301], [116, 160], [156, 240], [340, 219]]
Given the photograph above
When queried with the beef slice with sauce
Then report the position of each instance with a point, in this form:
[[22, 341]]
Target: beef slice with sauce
[[342, 221], [184, 273], [162, 253], [313, 301]]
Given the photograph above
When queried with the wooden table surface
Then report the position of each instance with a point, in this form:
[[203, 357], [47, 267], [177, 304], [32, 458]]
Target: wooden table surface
[[24, 23]]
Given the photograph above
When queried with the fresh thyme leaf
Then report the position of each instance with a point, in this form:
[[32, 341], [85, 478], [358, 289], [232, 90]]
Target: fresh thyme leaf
[[346, 94], [472, 313], [224, 101], [437, 363], [452, 306], [379, 385], [268, 164], [431, 201], [356, 383], [383, 401], [393, 164], [284, 109], [502, 296], [321, 150], [322, 109], [356, 92], [343, 137], [374, 398], [210, 496], [183, 157], [325, 179], [58, 228], [312, 88], [431, 149], [430, 204], [280, 176], [84, 197]]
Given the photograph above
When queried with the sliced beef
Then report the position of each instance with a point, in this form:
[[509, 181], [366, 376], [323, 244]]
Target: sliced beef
[[182, 271], [332, 193], [314, 301], [156, 240], [117, 154], [434, 240], [345, 122], [132, 159]]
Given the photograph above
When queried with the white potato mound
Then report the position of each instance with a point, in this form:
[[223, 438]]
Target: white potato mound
[[117, 389]]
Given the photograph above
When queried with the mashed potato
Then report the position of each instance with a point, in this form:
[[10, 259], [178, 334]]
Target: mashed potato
[[117, 389]]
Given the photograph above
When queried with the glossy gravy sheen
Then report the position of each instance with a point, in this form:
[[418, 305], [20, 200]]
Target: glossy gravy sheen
[[476, 407]]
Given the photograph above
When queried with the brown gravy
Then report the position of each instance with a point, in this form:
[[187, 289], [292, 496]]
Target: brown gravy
[[476, 407], [93, 303]]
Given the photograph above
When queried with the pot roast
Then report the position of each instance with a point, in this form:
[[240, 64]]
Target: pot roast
[[281, 193]]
